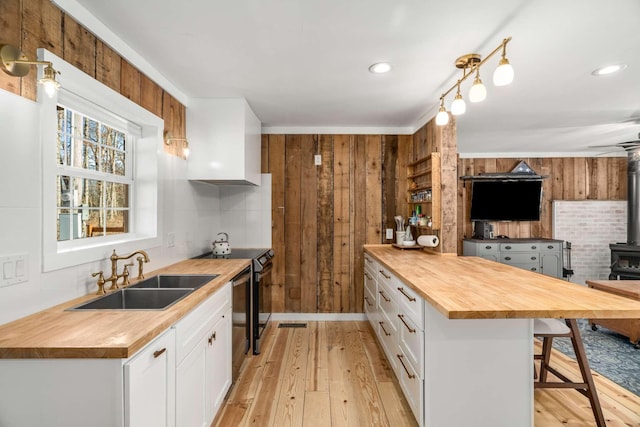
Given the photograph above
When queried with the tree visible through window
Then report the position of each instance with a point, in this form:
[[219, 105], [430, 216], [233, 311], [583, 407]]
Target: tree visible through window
[[94, 180]]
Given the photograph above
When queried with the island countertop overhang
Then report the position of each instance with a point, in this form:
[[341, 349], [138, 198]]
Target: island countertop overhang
[[462, 287]]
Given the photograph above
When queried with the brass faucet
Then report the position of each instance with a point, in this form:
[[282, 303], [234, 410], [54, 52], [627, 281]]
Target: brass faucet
[[125, 273]]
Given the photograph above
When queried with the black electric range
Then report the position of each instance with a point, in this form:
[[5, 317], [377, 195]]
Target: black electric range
[[259, 303]]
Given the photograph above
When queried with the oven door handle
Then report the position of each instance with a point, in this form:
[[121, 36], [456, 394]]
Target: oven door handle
[[266, 270]]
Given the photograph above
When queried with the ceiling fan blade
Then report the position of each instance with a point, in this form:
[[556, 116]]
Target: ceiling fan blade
[[619, 144]]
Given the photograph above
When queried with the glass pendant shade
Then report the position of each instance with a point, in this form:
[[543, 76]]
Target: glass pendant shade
[[50, 87], [458, 105], [48, 81], [503, 74], [478, 91], [442, 118]]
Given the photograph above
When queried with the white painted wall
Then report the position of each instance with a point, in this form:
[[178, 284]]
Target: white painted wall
[[590, 226], [246, 214], [190, 210]]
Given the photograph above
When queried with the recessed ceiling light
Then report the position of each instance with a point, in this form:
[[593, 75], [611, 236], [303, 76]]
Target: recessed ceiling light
[[609, 69], [380, 68]]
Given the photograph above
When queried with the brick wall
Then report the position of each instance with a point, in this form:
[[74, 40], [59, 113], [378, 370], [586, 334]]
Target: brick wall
[[590, 226]]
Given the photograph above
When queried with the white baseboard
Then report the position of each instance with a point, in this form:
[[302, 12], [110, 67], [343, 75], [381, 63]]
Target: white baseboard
[[326, 317]]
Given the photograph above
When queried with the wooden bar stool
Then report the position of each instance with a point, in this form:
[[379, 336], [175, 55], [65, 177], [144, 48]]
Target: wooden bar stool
[[548, 329]]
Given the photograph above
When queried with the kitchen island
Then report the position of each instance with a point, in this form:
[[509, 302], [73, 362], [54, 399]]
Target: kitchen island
[[477, 355]]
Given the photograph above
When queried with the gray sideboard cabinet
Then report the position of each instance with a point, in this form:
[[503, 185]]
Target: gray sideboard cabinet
[[538, 255]]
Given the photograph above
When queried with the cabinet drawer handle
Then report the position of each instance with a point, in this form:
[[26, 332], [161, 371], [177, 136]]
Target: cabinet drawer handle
[[367, 301], [367, 259], [383, 296], [533, 258], [534, 269], [534, 247], [409, 297], [382, 272], [212, 338], [158, 353], [367, 275], [487, 247], [411, 330], [384, 330], [508, 258], [409, 374], [550, 247], [507, 247]]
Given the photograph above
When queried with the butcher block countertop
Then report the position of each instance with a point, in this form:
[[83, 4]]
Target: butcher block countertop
[[56, 333], [462, 287]]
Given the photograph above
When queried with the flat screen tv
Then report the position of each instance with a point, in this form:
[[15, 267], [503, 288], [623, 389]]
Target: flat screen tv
[[506, 200]]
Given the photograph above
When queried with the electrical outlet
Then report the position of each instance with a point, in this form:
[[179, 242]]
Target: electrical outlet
[[389, 233], [317, 159]]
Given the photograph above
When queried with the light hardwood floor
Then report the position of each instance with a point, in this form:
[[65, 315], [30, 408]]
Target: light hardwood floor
[[335, 374]]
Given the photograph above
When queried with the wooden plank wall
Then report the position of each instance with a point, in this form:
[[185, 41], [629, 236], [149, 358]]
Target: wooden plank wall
[[570, 178], [32, 24], [323, 215]]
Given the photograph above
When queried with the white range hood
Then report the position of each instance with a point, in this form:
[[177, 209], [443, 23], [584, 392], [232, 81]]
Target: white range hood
[[224, 140]]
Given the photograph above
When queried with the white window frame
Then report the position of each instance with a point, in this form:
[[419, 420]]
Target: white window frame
[[83, 108], [79, 90]]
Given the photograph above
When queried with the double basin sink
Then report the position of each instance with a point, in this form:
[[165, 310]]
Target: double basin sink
[[155, 293]]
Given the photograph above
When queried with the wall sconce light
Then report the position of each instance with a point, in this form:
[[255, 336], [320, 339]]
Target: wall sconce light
[[470, 64], [16, 64], [170, 139]]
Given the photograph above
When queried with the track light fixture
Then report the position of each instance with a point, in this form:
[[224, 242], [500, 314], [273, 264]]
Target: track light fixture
[[15, 63], [470, 64]]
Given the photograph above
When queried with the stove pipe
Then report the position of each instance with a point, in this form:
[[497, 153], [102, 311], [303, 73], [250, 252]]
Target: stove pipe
[[633, 196]]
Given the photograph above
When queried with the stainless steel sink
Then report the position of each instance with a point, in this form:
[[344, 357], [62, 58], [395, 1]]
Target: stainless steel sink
[[177, 281], [136, 299]]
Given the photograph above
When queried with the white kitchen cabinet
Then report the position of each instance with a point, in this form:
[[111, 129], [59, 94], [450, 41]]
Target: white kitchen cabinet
[[143, 390], [371, 291], [370, 305], [138, 391], [224, 140], [149, 384], [218, 364], [400, 330], [203, 372]]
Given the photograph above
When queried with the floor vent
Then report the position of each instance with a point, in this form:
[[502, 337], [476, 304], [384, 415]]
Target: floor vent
[[292, 325]]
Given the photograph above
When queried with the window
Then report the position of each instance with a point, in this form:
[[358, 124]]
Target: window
[[100, 162], [94, 179]]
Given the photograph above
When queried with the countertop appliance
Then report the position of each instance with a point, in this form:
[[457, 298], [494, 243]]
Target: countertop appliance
[[259, 303], [222, 246]]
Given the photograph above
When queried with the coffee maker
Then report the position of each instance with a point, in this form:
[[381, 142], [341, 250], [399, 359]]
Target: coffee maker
[[482, 230]]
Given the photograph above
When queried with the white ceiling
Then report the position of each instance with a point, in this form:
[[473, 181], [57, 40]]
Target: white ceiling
[[302, 65]]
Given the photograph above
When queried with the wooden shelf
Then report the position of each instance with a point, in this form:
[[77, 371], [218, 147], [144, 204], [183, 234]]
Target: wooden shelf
[[428, 171], [420, 173], [420, 188], [421, 160], [424, 227]]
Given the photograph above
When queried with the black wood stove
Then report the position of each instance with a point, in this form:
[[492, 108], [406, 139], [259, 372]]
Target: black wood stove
[[625, 257]]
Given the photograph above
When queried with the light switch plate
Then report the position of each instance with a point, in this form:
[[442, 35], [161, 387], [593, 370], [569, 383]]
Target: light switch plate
[[389, 233], [317, 159], [14, 269]]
